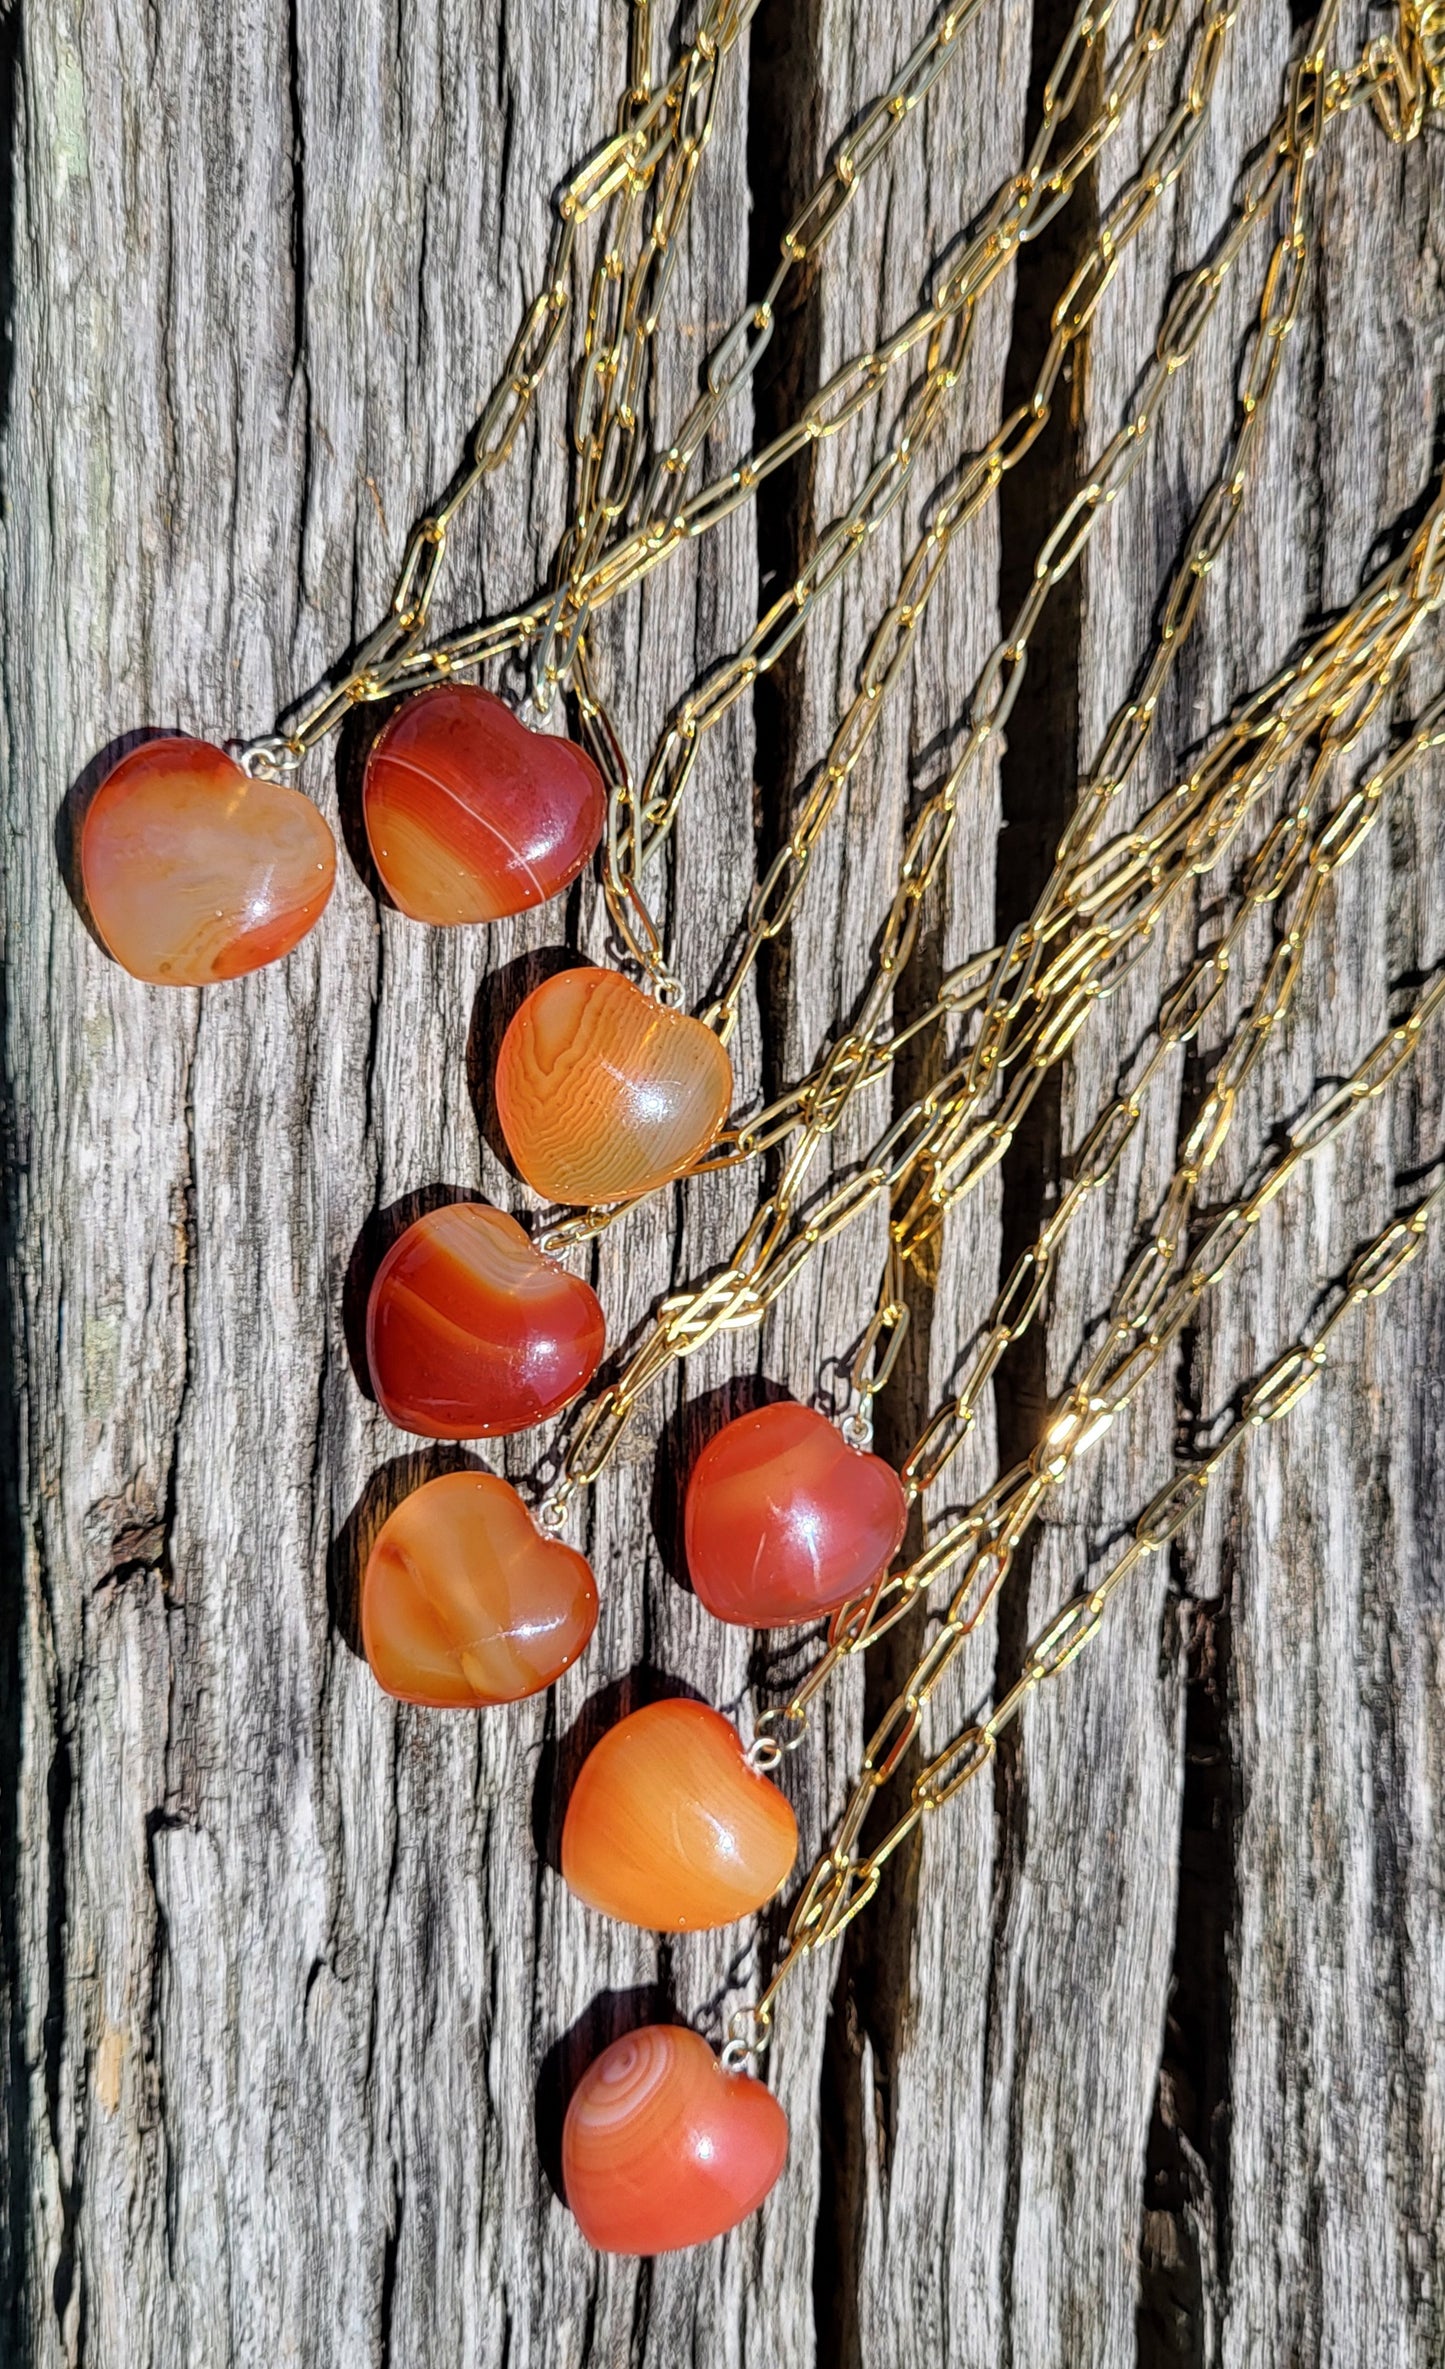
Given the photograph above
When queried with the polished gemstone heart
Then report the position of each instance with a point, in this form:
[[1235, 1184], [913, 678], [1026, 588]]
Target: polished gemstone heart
[[669, 1828], [602, 1092], [465, 1603], [661, 2148], [470, 1332], [784, 1520], [470, 815], [194, 871]]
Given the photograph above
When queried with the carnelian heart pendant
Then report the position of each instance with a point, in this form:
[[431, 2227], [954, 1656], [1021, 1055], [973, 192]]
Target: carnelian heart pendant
[[470, 815], [784, 1520], [669, 1828], [195, 871], [470, 1332], [661, 2148], [465, 1603], [603, 1093]]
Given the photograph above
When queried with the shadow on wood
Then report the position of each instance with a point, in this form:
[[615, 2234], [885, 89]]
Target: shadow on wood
[[354, 745]]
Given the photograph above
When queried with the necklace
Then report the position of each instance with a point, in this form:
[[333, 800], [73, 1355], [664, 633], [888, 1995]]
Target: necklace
[[607, 1091]]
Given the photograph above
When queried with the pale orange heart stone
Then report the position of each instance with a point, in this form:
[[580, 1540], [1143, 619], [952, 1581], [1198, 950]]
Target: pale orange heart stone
[[194, 871], [464, 1601], [669, 1828], [603, 1093]]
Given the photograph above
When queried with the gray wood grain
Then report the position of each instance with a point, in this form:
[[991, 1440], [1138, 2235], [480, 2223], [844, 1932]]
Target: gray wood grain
[[1136, 2059]]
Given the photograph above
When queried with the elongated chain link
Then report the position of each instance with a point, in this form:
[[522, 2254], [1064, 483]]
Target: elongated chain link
[[622, 319], [1143, 1322], [654, 126], [737, 1294], [1352, 660], [1077, 1620], [736, 359], [1018, 208], [852, 1062], [556, 624], [844, 1879]]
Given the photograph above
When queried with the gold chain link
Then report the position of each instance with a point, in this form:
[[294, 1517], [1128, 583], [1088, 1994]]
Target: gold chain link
[[843, 1880], [656, 129], [1366, 644]]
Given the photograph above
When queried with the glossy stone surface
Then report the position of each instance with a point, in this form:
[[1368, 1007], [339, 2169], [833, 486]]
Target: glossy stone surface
[[469, 814], [471, 1333], [193, 872], [784, 1520], [602, 1092], [465, 1603], [670, 1829], [662, 2149]]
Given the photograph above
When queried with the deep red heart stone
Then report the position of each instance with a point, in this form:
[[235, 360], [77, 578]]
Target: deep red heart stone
[[471, 1333], [784, 1520], [470, 815]]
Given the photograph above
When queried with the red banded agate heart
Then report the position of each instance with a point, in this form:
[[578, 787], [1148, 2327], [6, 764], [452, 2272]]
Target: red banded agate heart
[[470, 815], [470, 1332], [784, 1520], [662, 2149], [465, 1603], [603, 1093], [194, 871], [669, 1828]]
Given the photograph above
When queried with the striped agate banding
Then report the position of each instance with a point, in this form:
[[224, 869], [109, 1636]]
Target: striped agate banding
[[603, 1093], [195, 871], [471, 1333], [470, 815]]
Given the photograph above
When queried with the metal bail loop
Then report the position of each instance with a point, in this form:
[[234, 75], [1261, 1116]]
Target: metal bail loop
[[748, 2037], [857, 1425], [272, 758], [551, 1515]]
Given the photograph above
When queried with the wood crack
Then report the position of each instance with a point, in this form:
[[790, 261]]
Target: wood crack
[[1037, 774], [1184, 2229]]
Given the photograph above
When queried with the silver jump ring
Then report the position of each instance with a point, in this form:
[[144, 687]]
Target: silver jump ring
[[857, 1427], [269, 759]]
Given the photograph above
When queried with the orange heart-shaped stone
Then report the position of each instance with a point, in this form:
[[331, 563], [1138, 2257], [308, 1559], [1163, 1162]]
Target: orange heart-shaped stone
[[194, 871], [469, 814], [669, 1828], [603, 1093], [784, 1520], [471, 1333], [465, 1603], [661, 2148]]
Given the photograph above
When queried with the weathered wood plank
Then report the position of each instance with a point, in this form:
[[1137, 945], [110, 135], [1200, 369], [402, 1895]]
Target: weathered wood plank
[[294, 1987]]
